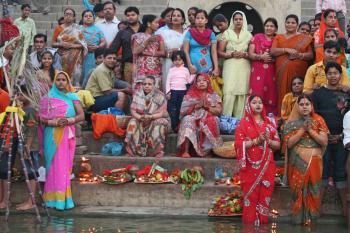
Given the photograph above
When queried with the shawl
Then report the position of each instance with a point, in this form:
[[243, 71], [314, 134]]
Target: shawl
[[202, 38], [323, 28], [148, 104], [238, 43]]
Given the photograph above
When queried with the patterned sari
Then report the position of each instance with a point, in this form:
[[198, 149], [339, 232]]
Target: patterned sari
[[262, 78], [59, 147], [287, 69], [199, 126], [146, 64], [71, 59], [304, 167], [147, 139], [257, 166]]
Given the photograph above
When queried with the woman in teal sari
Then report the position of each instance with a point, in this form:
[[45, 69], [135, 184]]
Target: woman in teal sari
[[59, 111], [94, 38]]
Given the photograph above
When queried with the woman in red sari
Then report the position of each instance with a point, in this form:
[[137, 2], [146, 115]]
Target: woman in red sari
[[292, 51], [262, 78], [328, 20], [256, 138], [199, 124]]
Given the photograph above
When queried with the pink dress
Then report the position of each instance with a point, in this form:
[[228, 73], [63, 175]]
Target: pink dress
[[262, 78]]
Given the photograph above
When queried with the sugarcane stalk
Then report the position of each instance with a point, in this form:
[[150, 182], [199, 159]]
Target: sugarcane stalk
[[9, 157], [20, 132], [31, 193]]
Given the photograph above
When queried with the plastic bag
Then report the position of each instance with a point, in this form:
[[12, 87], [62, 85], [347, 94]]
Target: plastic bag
[[114, 111], [113, 148], [228, 124]]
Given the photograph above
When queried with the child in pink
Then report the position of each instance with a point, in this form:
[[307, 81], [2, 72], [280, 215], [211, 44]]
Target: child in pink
[[177, 82]]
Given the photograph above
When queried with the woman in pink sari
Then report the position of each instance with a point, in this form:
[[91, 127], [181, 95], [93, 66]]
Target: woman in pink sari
[[262, 78], [59, 111], [148, 49]]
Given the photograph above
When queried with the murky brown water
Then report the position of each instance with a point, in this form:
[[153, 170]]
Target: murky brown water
[[27, 224]]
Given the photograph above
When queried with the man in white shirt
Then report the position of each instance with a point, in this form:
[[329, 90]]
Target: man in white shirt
[[109, 25], [40, 45]]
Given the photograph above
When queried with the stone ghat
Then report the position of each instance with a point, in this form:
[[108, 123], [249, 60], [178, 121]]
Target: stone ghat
[[132, 196], [94, 146]]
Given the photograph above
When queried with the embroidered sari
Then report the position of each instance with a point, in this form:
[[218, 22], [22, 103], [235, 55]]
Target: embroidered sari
[[71, 59], [59, 147], [262, 78], [257, 166], [199, 126], [304, 167], [147, 139], [287, 69], [236, 71], [145, 65]]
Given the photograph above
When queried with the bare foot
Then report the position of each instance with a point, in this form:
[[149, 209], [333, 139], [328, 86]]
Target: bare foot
[[3, 205], [25, 206], [186, 155]]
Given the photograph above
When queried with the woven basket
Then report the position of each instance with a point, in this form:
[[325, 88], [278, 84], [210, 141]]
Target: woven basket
[[123, 121], [227, 150]]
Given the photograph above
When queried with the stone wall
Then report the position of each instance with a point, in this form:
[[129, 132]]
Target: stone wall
[[278, 9]]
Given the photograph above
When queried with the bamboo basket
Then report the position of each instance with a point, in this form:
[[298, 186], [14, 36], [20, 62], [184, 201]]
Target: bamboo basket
[[227, 150]]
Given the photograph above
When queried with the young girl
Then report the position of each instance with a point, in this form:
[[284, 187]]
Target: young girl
[[177, 79]]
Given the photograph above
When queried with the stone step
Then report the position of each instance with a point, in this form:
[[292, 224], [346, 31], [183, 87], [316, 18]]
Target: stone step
[[102, 162], [162, 196], [96, 145]]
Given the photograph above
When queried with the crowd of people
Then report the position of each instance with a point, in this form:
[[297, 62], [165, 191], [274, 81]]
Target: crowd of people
[[290, 90]]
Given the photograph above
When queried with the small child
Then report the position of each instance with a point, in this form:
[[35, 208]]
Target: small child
[[31, 149], [98, 11], [176, 86]]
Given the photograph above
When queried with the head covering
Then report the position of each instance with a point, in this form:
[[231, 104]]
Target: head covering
[[324, 26], [245, 22], [69, 86], [249, 116], [195, 92], [295, 115]]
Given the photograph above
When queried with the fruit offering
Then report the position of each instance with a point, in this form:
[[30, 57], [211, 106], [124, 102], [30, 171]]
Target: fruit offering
[[152, 175], [116, 176], [229, 204], [192, 179]]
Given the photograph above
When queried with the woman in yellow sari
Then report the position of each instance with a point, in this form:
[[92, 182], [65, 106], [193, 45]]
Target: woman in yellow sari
[[236, 68], [304, 141]]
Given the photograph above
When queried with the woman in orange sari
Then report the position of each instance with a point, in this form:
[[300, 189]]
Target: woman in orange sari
[[69, 40], [304, 141], [292, 51], [328, 20]]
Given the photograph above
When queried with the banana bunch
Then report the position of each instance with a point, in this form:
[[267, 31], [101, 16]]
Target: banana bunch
[[192, 179]]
